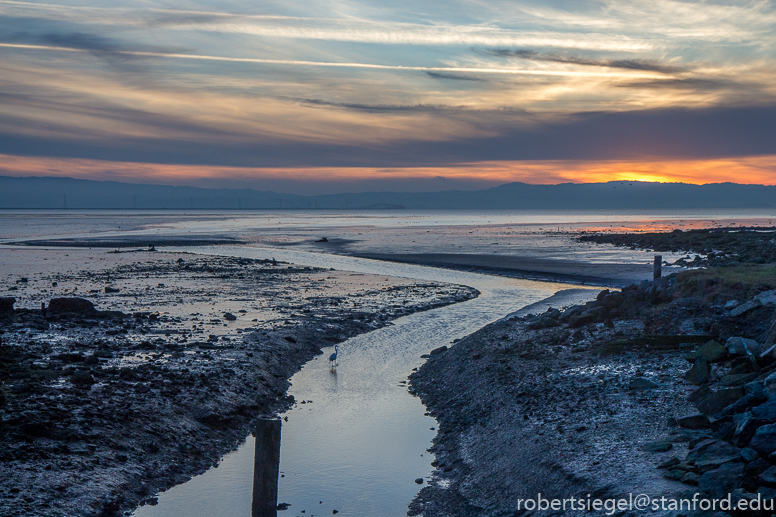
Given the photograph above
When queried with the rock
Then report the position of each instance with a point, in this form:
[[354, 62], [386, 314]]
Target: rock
[[746, 426], [732, 304], [640, 383], [737, 380], [742, 346], [764, 440], [699, 373], [766, 298], [766, 493], [6, 304], [766, 411], [657, 446], [768, 478], [110, 290], [747, 401], [669, 463], [722, 481], [691, 478], [439, 350], [674, 474], [711, 454], [82, 378], [228, 316], [712, 352], [749, 455], [696, 421], [718, 400], [744, 307], [419, 481], [77, 306]]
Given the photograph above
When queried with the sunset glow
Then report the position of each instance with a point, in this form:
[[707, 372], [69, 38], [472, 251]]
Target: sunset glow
[[367, 95]]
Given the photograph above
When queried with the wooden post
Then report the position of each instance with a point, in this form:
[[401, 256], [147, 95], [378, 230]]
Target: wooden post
[[658, 268], [266, 467]]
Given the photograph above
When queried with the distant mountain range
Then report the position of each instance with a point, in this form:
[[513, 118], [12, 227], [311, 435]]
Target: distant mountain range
[[59, 193]]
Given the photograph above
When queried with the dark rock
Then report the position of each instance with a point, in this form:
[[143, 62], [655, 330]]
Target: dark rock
[[669, 463], [737, 380], [764, 440], [722, 481], [749, 455], [712, 352], [746, 426], [766, 411], [640, 383], [699, 394], [712, 454], [110, 290], [699, 373], [674, 474], [82, 378], [696, 421], [747, 401], [439, 350], [77, 306], [229, 316], [691, 478], [741, 346], [744, 307], [658, 446], [768, 478], [718, 400], [6, 304], [419, 481]]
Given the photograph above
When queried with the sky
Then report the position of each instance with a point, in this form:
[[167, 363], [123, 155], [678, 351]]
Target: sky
[[326, 96]]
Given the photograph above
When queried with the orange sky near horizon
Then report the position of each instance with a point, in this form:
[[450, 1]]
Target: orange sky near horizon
[[759, 170]]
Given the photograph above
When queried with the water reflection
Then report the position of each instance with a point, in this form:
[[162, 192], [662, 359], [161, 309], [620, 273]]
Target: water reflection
[[266, 468]]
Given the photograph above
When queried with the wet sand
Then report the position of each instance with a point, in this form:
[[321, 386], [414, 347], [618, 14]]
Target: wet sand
[[559, 270]]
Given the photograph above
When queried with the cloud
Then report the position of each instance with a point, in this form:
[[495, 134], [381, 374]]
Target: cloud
[[454, 77], [647, 65]]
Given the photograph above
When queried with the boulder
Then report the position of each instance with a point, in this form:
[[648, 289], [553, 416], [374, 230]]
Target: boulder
[[718, 400], [6, 304], [696, 421], [742, 346], [640, 383], [722, 481], [711, 454], [731, 304], [658, 446], [712, 352], [766, 411], [746, 425], [744, 307], [737, 380], [764, 440], [766, 298], [439, 350], [228, 316], [699, 373], [768, 478], [77, 306]]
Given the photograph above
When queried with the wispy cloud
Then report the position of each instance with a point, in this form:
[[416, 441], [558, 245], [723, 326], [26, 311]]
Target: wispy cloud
[[373, 66], [649, 65]]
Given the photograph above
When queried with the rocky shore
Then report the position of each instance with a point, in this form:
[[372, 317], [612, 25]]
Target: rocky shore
[[666, 388], [715, 247], [144, 373]]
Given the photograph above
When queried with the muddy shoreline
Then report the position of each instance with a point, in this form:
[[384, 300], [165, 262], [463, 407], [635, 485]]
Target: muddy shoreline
[[102, 410]]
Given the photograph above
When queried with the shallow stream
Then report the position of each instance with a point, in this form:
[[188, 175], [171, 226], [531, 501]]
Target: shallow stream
[[361, 443]]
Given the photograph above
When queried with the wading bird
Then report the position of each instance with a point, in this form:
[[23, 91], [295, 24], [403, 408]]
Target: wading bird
[[333, 357]]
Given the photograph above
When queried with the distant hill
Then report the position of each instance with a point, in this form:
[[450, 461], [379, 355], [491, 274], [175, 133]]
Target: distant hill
[[58, 193]]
